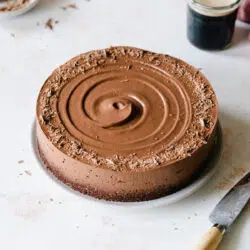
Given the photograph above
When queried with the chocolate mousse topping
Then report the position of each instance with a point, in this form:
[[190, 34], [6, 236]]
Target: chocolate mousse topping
[[127, 110]]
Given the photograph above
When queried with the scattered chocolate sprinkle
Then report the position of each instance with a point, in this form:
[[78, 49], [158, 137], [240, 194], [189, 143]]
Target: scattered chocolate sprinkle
[[38, 24], [20, 162], [28, 172], [12, 34]]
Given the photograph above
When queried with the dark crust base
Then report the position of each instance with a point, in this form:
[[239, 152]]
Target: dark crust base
[[99, 194], [129, 197]]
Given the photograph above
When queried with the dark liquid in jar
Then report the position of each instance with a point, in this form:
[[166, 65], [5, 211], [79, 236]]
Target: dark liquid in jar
[[208, 32]]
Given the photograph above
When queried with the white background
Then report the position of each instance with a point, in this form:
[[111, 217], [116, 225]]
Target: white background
[[38, 213]]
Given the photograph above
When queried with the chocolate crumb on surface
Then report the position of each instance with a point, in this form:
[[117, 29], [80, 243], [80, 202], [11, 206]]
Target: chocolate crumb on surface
[[50, 23], [20, 161], [69, 6]]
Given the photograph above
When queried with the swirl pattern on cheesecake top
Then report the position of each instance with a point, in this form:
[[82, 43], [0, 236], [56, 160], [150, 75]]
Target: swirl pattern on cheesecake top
[[126, 108]]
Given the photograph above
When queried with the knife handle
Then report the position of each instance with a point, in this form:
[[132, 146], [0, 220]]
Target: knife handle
[[211, 239]]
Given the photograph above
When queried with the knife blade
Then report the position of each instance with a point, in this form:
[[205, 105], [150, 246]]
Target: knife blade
[[229, 208], [225, 213]]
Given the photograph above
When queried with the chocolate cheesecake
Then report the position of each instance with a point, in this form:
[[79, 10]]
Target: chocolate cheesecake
[[125, 124]]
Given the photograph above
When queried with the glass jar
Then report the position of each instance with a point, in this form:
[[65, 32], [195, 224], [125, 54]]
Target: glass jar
[[210, 23]]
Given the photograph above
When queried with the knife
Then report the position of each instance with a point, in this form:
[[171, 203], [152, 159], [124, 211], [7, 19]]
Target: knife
[[225, 213]]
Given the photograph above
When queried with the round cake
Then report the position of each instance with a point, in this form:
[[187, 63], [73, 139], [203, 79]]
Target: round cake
[[125, 124]]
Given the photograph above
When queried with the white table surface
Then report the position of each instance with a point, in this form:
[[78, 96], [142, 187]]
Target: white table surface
[[36, 212]]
